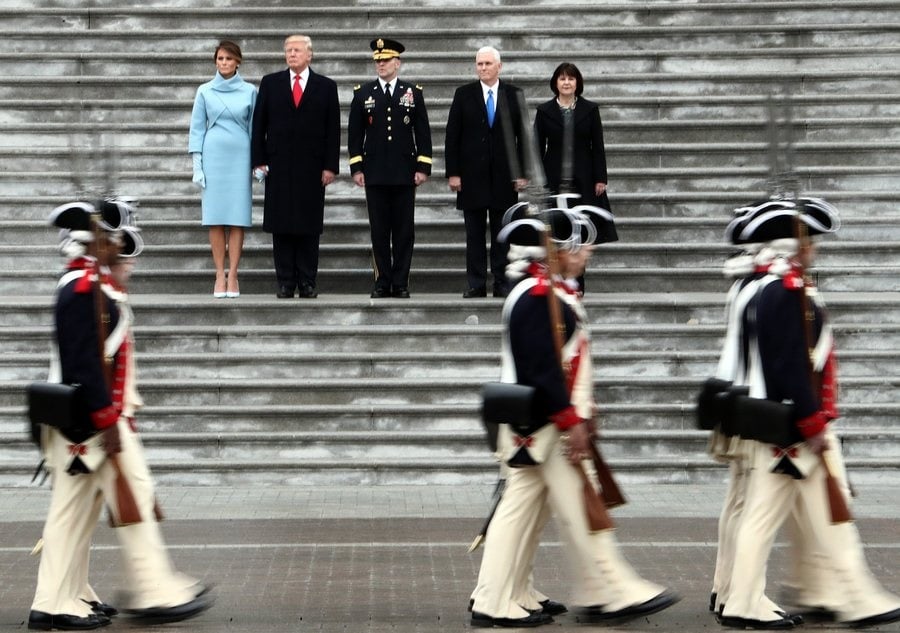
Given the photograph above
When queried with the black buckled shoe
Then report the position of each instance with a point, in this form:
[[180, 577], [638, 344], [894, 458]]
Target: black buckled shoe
[[307, 291], [539, 618], [400, 292], [380, 293], [759, 625], [41, 621], [101, 608], [882, 618], [472, 293], [162, 615], [285, 292], [552, 607], [598, 614]]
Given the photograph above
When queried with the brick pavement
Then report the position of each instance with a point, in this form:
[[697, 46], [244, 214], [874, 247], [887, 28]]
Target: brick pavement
[[394, 558]]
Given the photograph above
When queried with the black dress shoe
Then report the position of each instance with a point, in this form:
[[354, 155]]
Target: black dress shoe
[[551, 607], [285, 292], [471, 293], [500, 291], [380, 293], [400, 293], [102, 608], [760, 625], [873, 620], [713, 598], [598, 613], [41, 621], [814, 614], [162, 615], [480, 620], [307, 291]]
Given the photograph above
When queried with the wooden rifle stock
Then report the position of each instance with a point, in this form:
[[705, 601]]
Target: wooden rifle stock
[[609, 490], [127, 512], [840, 512], [837, 503], [597, 514]]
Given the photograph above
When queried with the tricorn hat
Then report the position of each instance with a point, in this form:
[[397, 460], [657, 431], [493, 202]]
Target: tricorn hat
[[76, 216], [774, 219], [383, 48]]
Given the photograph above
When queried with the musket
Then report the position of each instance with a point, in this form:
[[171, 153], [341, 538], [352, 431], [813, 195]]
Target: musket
[[837, 504], [496, 496], [597, 513], [127, 510], [784, 184]]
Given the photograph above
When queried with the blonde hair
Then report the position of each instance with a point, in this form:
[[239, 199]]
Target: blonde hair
[[302, 38]]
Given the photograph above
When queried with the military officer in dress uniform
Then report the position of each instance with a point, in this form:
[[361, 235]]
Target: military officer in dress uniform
[[389, 141], [86, 460], [790, 362], [545, 463]]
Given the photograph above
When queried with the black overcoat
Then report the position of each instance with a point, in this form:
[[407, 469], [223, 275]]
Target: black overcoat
[[588, 154], [297, 144], [477, 153]]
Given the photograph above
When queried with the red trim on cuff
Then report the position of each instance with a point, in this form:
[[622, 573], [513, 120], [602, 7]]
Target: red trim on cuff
[[105, 417], [565, 419], [813, 425]]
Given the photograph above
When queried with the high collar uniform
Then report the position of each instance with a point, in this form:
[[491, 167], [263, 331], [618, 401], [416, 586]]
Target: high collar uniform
[[77, 499], [601, 576], [780, 481]]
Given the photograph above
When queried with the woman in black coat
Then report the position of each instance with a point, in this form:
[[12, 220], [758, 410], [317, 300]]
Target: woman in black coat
[[587, 169]]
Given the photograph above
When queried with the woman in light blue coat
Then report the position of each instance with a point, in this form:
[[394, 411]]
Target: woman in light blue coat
[[220, 146]]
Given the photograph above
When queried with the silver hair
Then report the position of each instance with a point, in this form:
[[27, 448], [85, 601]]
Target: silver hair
[[489, 49]]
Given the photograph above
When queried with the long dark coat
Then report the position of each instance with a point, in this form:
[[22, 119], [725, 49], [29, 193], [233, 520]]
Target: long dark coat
[[588, 154], [297, 144], [477, 153]]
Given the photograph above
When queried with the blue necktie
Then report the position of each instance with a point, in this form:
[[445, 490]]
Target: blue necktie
[[490, 108]]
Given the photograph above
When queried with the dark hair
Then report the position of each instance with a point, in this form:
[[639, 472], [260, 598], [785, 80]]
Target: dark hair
[[231, 48], [569, 70]]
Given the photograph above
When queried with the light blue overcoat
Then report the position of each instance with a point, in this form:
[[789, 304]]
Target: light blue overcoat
[[220, 131]]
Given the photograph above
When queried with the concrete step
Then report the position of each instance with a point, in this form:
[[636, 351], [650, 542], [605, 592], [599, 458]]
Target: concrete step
[[628, 157], [630, 107], [604, 309], [743, 57], [438, 365], [141, 184], [865, 206], [448, 254], [333, 391], [446, 471], [305, 339], [532, 79], [452, 280], [420, 418], [431, 13], [439, 226]]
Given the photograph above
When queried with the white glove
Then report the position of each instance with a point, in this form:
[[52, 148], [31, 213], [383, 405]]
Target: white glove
[[199, 178]]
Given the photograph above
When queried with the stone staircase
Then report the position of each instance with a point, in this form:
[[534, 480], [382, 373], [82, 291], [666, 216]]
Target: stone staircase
[[345, 389]]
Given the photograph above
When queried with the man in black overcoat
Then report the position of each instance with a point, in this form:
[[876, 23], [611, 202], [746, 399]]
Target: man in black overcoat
[[389, 142], [480, 169], [296, 145]]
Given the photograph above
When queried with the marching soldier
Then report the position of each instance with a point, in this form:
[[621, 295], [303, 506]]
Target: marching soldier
[[546, 460], [790, 354], [389, 141], [99, 457]]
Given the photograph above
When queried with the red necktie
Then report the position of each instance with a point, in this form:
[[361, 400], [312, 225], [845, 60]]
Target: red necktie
[[298, 91]]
